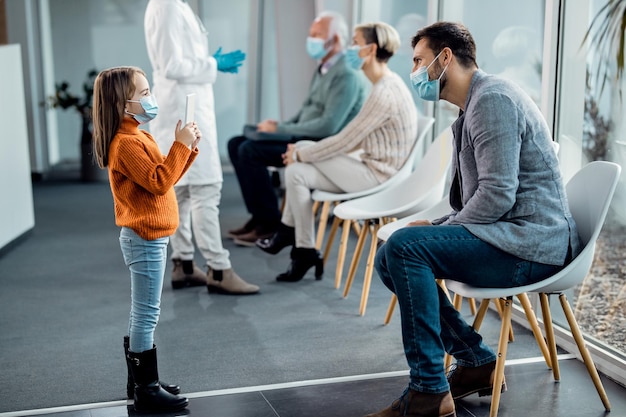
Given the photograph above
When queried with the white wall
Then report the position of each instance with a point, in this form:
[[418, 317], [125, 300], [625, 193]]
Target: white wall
[[16, 209]]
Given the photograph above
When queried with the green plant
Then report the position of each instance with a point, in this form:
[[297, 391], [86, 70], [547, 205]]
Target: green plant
[[64, 99], [606, 35]]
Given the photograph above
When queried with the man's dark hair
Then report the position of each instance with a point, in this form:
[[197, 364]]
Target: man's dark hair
[[452, 35]]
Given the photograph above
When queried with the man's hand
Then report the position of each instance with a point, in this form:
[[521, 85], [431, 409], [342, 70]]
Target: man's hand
[[230, 61], [267, 126], [420, 223]]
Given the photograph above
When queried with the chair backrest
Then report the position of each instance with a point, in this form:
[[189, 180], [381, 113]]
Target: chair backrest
[[424, 124], [420, 190], [589, 194]]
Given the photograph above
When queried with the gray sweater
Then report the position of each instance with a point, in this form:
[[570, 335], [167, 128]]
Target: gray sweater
[[507, 188], [334, 99]]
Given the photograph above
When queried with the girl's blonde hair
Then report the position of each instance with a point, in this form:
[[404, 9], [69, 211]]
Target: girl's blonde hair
[[111, 89], [385, 37]]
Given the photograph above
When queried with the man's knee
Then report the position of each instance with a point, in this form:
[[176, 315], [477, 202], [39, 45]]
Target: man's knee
[[233, 147]]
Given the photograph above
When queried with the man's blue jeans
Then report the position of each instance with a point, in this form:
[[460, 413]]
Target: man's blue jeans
[[146, 261], [408, 264]]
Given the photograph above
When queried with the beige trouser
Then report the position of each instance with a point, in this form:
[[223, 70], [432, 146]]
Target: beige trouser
[[341, 173], [198, 212]]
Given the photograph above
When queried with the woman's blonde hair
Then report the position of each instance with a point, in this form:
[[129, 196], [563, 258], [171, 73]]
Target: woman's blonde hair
[[111, 89], [385, 37]]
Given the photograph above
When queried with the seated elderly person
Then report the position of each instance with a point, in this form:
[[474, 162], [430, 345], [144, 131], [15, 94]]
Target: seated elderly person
[[369, 150]]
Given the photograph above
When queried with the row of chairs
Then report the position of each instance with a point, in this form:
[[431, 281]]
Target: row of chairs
[[418, 193]]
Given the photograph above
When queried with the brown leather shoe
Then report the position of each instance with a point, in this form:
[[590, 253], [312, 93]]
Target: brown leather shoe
[[193, 277], [250, 238], [419, 404], [466, 381], [246, 228]]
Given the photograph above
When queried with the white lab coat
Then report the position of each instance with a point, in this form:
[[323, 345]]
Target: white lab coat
[[178, 48]]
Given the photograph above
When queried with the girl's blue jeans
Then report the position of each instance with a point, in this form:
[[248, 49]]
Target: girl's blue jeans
[[408, 264], [146, 260]]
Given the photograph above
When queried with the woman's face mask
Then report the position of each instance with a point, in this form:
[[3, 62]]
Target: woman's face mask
[[150, 109], [425, 89], [315, 47], [353, 58]]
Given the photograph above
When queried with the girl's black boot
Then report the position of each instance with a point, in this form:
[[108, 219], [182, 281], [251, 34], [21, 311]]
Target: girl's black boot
[[130, 382], [149, 396], [302, 259]]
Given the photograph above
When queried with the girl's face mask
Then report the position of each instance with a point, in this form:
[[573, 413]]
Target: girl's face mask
[[150, 109]]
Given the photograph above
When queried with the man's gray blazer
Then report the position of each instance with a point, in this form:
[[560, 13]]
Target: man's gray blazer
[[507, 188]]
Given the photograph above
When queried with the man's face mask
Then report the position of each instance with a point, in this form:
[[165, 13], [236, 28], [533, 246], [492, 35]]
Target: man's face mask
[[315, 47], [425, 89], [150, 109]]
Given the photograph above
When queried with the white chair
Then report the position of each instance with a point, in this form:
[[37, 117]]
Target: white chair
[[424, 124], [589, 193], [422, 189]]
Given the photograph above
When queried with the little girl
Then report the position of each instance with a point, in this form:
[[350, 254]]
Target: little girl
[[142, 182]]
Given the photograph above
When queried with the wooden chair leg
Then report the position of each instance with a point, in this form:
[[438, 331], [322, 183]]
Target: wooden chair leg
[[472, 304], [480, 315], [331, 237], [501, 356], [316, 207], [580, 342], [341, 255], [321, 228], [498, 304], [547, 321], [392, 306], [356, 227], [534, 325], [369, 269], [356, 257]]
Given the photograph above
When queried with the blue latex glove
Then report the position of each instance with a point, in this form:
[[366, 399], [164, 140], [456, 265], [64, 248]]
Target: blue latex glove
[[230, 61]]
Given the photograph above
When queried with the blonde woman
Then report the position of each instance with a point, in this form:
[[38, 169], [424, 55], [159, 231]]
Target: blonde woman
[[366, 152]]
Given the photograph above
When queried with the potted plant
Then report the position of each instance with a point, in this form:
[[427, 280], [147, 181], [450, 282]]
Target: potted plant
[[65, 99]]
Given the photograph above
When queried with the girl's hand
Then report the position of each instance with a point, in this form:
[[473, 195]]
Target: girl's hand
[[288, 155], [187, 134], [197, 139]]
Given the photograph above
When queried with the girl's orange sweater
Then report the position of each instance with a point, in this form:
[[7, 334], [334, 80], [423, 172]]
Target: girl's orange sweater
[[142, 181]]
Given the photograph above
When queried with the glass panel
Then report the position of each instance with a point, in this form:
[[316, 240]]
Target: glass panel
[[599, 303], [228, 27], [509, 43]]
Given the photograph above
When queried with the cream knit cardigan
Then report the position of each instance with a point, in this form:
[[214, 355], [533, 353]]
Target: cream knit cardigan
[[385, 129]]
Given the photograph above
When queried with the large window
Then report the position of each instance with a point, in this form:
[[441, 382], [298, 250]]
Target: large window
[[591, 128]]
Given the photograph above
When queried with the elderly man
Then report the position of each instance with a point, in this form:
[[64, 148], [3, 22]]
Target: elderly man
[[336, 95], [510, 224]]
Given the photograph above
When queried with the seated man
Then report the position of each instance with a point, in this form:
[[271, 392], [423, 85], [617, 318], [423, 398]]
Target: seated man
[[510, 224], [336, 95]]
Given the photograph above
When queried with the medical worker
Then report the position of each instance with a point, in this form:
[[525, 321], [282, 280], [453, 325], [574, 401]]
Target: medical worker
[[178, 48]]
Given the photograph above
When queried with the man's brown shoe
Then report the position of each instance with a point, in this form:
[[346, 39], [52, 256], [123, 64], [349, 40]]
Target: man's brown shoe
[[250, 238], [466, 381], [419, 404], [246, 228]]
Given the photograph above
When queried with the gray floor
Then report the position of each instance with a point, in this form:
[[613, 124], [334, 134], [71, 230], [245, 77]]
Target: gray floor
[[64, 309]]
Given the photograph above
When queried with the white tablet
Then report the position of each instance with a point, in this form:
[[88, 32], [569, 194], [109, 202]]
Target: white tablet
[[190, 106]]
